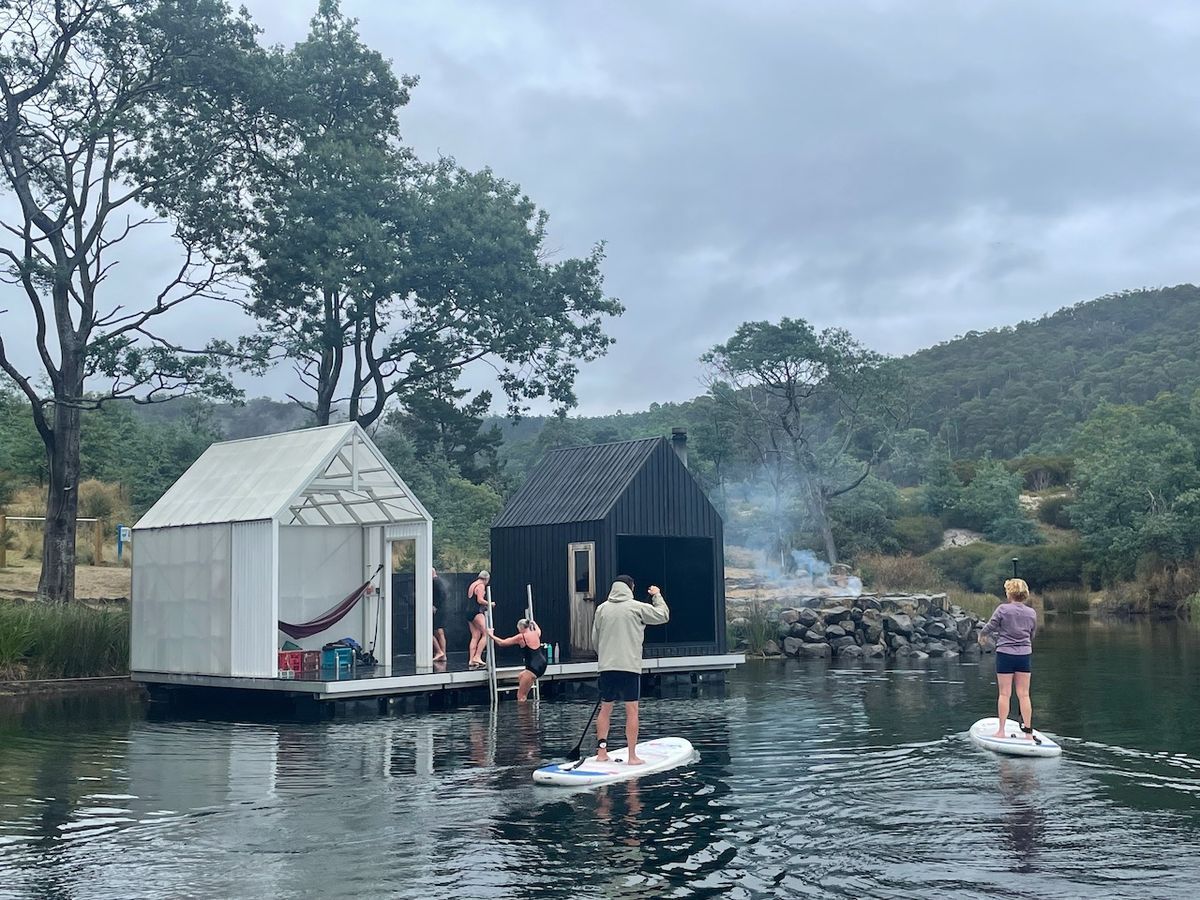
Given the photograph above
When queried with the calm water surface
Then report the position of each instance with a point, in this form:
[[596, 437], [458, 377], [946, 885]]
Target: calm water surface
[[814, 780]]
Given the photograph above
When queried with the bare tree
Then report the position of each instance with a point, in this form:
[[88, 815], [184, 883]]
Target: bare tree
[[115, 116]]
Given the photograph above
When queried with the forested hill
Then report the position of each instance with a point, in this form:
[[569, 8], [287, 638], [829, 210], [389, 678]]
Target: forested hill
[[1028, 385]]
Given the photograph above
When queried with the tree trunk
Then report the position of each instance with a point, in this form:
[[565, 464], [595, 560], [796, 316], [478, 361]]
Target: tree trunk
[[816, 505], [62, 507]]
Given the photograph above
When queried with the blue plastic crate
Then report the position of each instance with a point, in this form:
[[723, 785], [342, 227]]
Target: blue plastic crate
[[338, 659]]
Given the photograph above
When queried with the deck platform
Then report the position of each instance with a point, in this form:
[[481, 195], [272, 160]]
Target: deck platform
[[400, 678]]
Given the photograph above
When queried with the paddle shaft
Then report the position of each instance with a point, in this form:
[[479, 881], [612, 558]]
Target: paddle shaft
[[574, 754]]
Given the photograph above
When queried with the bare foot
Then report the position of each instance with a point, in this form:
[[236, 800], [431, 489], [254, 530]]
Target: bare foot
[[635, 761], [999, 734], [439, 657]]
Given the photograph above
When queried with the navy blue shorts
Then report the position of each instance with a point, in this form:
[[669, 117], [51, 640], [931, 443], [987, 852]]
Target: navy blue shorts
[[625, 687], [1007, 663]]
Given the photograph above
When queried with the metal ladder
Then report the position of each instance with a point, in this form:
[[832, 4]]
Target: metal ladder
[[495, 689]]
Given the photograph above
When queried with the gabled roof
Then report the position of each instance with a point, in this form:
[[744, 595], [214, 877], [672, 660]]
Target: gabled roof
[[577, 484], [333, 475]]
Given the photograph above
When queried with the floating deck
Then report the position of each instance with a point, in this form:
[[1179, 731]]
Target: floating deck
[[387, 681]]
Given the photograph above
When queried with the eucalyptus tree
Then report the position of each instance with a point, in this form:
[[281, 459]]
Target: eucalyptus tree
[[378, 274], [814, 410], [116, 117]]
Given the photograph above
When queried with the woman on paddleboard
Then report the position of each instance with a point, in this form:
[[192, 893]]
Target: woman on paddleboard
[[529, 638], [1013, 626]]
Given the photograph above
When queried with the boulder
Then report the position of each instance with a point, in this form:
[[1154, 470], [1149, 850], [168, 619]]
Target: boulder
[[839, 643], [950, 654], [835, 614], [963, 626], [850, 651], [898, 623], [792, 646], [873, 632], [789, 616], [903, 651], [808, 617], [918, 654], [814, 650], [869, 604], [875, 651], [813, 636], [856, 614], [897, 641], [835, 631], [770, 648], [935, 629], [972, 651], [919, 622], [797, 630], [934, 648]]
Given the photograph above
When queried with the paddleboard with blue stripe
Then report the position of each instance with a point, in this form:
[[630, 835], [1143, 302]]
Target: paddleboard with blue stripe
[[658, 755], [1015, 742]]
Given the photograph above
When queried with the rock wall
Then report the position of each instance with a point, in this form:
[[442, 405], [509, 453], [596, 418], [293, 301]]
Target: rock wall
[[916, 626]]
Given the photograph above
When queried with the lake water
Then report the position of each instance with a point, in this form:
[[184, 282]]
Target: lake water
[[814, 780]]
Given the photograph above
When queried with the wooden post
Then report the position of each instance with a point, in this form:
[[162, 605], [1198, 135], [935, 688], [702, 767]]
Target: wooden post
[[3, 539], [98, 542]]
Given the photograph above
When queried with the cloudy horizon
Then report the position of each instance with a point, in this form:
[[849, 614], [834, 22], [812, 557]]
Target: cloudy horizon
[[907, 171]]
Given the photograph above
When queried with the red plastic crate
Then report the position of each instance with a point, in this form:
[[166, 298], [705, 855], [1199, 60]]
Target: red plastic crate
[[291, 660]]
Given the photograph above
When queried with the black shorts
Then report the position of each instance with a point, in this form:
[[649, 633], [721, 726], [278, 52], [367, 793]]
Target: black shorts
[[625, 687], [1007, 663], [438, 620]]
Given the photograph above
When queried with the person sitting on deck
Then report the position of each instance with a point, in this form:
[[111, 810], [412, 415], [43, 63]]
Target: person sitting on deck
[[477, 604], [529, 637]]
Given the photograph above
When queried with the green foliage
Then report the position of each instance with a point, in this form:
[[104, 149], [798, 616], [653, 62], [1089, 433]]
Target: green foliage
[[1047, 566], [883, 573], [755, 629], [1010, 389], [942, 488], [959, 563], [1136, 483], [918, 534], [1041, 472], [43, 640], [811, 411], [991, 504], [1056, 511]]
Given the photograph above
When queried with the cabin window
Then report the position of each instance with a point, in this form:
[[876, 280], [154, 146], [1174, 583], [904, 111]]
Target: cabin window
[[583, 569]]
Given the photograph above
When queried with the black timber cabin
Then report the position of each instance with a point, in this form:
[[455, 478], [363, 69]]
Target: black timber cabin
[[589, 514]]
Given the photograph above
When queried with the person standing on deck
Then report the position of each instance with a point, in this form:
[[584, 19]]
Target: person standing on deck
[[440, 599], [617, 635], [477, 604]]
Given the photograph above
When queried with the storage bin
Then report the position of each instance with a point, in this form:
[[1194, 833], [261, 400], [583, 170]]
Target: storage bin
[[291, 661], [310, 661], [337, 659]]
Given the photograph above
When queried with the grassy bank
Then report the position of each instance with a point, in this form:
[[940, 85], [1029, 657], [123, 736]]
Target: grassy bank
[[42, 640]]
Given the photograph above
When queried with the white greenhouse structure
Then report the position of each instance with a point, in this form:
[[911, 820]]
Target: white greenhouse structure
[[270, 530]]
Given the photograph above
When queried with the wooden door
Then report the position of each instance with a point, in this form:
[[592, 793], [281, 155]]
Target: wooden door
[[581, 586]]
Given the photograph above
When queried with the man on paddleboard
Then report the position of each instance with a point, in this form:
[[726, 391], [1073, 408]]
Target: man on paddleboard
[[617, 634]]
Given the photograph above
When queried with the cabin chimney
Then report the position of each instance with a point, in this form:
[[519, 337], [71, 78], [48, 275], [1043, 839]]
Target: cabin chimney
[[679, 442]]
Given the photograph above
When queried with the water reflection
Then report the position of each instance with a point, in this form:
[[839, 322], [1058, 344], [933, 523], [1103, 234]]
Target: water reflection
[[813, 780]]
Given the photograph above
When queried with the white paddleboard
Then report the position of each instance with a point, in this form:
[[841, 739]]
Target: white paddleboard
[[657, 755], [1015, 743]]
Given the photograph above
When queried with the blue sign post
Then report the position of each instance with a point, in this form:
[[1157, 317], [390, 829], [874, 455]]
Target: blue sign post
[[124, 536]]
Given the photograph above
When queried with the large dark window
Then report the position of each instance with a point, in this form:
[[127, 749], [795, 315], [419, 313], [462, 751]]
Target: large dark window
[[683, 567]]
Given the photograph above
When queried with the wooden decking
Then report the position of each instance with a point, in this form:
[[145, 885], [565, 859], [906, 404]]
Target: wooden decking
[[386, 681]]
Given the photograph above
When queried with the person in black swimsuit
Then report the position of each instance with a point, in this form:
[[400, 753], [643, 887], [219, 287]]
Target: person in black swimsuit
[[440, 600], [529, 637]]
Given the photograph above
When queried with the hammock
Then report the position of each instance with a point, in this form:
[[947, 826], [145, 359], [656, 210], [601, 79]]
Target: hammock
[[330, 617]]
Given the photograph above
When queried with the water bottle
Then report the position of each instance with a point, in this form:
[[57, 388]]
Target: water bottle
[[549, 653]]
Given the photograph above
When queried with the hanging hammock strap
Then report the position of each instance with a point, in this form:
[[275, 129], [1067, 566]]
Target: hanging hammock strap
[[331, 616]]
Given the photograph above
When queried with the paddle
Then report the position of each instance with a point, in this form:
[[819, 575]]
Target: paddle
[[573, 753]]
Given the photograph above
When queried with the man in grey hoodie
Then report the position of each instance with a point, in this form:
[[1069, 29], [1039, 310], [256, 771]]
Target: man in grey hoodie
[[617, 633]]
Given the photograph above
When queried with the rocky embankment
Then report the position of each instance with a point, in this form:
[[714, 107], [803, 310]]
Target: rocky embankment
[[916, 626]]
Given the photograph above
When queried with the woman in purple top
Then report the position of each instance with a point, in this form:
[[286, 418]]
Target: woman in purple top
[[1013, 625]]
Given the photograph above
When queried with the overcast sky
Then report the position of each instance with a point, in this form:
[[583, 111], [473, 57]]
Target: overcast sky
[[909, 171]]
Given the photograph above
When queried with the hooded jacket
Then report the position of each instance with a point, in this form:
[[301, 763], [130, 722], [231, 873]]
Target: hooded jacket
[[619, 626]]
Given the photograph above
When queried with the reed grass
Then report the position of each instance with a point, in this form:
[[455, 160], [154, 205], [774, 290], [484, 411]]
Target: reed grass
[[755, 628], [73, 640]]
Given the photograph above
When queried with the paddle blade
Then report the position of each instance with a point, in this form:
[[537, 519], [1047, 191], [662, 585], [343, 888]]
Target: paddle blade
[[573, 754]]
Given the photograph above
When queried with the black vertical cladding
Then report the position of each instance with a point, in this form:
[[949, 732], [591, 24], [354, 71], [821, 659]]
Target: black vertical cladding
[[626, 490]]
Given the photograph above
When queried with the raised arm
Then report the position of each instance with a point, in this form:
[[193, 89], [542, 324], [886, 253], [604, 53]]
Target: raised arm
[[657, 613]]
